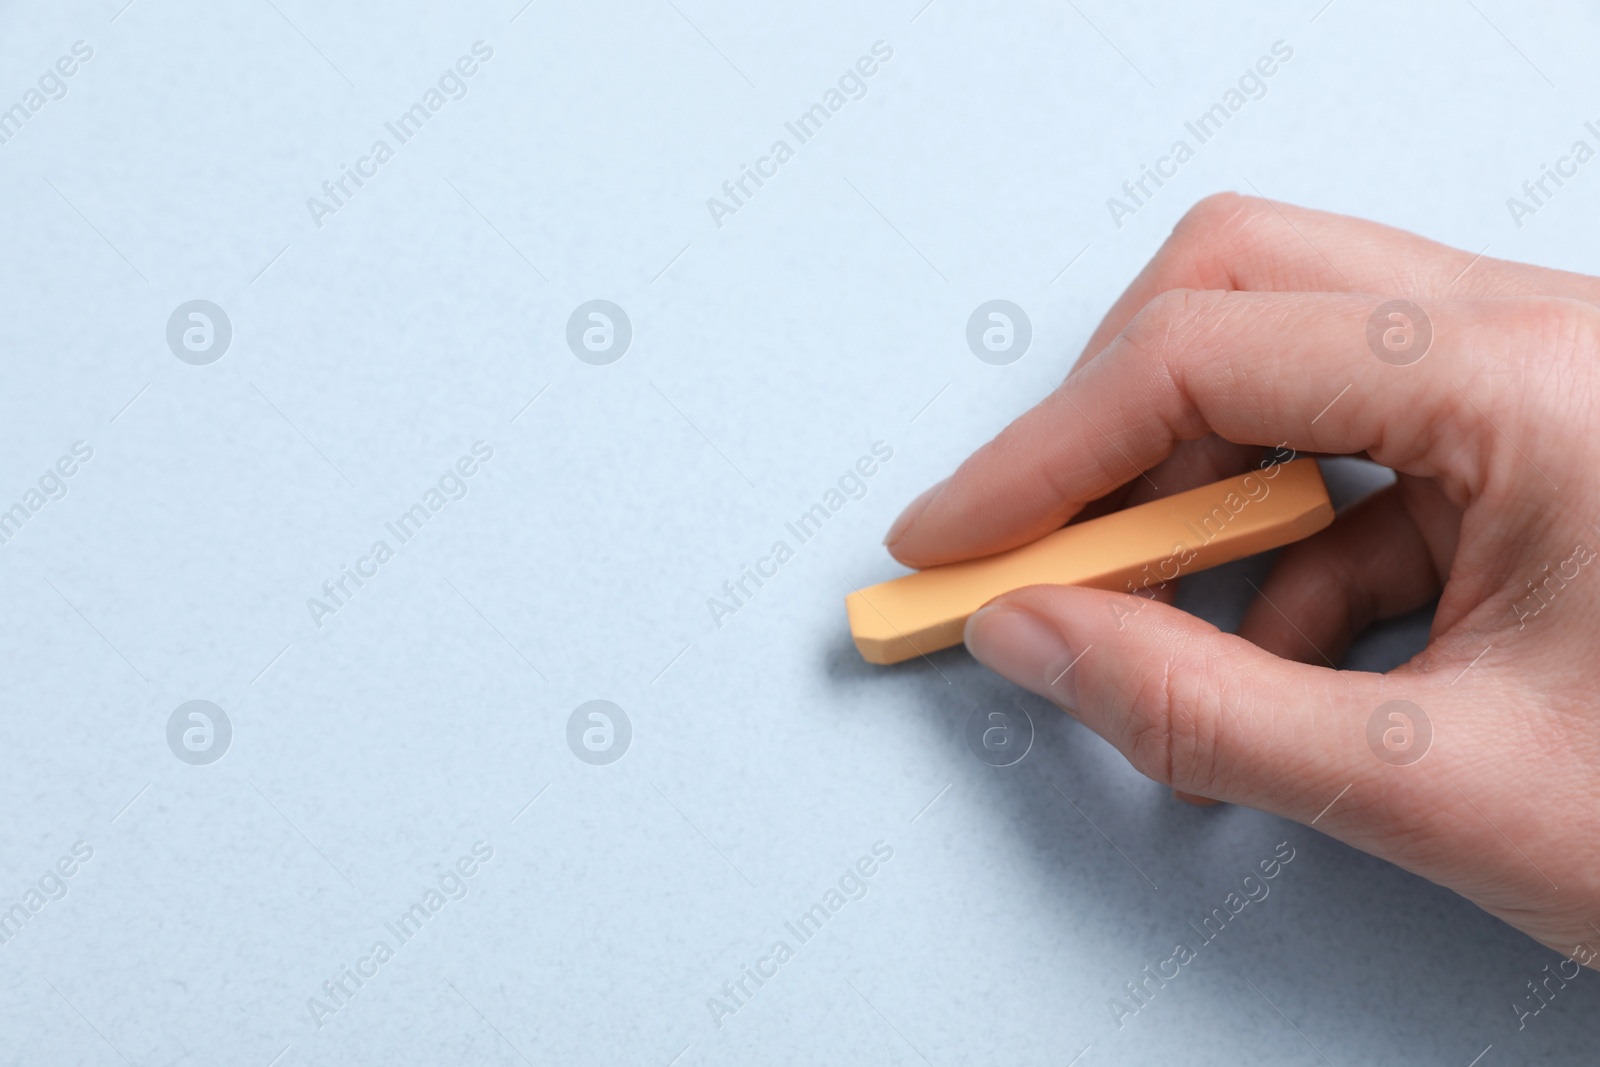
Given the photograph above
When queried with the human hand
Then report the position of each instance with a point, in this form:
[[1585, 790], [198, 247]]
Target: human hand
[[1249, 330]]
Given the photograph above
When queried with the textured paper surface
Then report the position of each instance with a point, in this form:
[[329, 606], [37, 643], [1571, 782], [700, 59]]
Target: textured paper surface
[[767, 357]]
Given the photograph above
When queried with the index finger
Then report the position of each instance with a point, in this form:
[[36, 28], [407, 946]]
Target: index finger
[[1255, 368]]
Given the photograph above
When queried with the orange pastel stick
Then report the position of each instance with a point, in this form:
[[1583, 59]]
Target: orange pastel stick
[[1127, 551]]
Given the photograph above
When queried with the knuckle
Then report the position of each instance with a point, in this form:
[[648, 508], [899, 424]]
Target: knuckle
[[1522, 315], [1570, 327], [1554, 343], [1171, 336], [1225, 226], [1152, 329], [1217, 214], [1560, 381], [1562, 333], [1212, 241], [1144, 360], [1173, 726]]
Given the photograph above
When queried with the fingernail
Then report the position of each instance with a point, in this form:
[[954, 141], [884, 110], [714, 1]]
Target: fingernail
[[1024, 648], [909, 515]]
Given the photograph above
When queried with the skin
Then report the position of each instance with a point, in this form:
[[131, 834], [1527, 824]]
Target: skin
[[1243, 333]]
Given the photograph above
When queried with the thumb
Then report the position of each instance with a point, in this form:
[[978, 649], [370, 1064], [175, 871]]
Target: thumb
[[1192, 707]]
